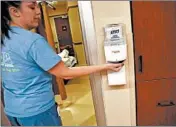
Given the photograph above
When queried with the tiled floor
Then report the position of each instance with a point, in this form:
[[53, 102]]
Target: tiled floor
[[78, 109]]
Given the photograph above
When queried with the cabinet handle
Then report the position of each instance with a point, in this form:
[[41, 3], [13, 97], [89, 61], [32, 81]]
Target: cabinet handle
[[140, 61], [164, 104]]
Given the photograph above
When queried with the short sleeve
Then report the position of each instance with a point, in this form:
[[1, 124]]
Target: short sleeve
[[42, 53]]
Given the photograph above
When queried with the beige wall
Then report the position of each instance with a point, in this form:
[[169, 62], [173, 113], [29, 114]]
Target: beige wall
[[54, 33], [75, 26], [80, 54], [33, 30], [76, 33], [72, 3], [53, 27], [60, 10], [119, 101]]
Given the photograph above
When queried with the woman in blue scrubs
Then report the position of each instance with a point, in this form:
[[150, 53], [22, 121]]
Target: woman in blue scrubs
[[27, 66]]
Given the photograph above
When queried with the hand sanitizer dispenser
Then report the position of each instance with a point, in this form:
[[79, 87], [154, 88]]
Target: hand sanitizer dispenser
[[115, 52]]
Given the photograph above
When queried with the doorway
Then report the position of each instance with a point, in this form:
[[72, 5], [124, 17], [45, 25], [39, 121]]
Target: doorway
[[154, 28], [64, 34], [78, 108]]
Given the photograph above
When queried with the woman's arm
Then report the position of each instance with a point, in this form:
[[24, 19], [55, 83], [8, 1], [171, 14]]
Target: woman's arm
[[60, 70]]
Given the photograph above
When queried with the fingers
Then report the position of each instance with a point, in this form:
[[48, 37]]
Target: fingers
[[119, 65], [115, 66], [117, 69]]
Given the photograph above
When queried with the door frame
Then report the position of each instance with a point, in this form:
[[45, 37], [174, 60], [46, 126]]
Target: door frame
[[134, 50], [90, 46]]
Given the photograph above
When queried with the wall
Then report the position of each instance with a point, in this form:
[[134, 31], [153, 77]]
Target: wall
[[119, 101], [53, 27], [75, 27], [60, 10], [72, 3]]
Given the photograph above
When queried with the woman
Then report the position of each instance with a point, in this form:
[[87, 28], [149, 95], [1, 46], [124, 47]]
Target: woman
[[27, 65]]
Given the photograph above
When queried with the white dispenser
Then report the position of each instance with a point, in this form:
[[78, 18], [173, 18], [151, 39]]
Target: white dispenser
[[115, 51]]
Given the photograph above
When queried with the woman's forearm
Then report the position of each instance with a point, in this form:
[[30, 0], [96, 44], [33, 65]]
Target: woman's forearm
[[83, 70], [60, 70]]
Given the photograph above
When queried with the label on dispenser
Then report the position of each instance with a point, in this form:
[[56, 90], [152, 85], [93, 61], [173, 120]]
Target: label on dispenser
[[113, 32]]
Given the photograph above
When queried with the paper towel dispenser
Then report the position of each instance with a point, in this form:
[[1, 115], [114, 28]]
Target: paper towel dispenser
[[115, 48]]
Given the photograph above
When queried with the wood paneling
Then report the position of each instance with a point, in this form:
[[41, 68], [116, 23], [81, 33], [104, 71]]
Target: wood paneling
[[154, 26]]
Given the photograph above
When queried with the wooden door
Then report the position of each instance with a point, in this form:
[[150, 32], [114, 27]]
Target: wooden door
[[64, 34], [154, 28]]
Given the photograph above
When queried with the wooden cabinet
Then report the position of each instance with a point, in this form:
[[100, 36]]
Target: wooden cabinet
[[156, 103], [154, 29]]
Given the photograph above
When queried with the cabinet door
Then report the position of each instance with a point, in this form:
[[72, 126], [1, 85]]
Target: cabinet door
[[155, 103], [170, 40], [172, 109], [154, 28]]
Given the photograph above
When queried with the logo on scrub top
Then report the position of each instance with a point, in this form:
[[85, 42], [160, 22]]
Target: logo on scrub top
[[6, 63]]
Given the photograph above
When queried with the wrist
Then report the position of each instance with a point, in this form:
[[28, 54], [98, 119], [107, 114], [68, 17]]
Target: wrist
[[105, 67]]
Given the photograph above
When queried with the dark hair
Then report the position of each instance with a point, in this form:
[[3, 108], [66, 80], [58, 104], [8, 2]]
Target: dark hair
[[5, 17]]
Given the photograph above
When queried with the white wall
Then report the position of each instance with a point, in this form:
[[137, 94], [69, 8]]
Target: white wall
[[119, 101]]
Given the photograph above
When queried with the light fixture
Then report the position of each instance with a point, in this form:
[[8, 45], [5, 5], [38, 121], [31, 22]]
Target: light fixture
[[49, 3], [52, 2]]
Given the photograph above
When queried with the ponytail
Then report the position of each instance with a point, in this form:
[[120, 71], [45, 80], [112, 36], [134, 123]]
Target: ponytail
[[5, 17]]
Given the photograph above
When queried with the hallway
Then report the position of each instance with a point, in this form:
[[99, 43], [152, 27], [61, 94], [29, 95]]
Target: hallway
[[78, 108]]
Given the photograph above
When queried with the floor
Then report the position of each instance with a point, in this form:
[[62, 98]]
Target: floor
[[78, 109]]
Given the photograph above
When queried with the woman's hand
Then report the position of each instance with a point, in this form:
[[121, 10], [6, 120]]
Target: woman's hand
[[114, 66]]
